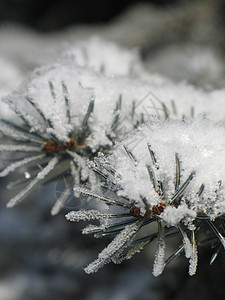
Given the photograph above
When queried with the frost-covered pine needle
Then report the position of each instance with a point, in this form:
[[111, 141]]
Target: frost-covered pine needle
[[186, 242], [87, 215], [120, 242], [60, 202], [10, 168], [194, 257], [160, 254]]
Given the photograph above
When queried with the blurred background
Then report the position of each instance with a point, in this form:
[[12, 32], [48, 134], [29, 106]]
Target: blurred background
[[53, 15], [42, 257]]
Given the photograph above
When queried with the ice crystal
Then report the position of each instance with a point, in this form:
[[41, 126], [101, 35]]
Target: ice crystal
[[164, 172]]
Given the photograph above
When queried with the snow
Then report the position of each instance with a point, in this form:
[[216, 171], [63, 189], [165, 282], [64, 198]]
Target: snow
[[139, 101], [200, 145], [112, 60], [100, 97]]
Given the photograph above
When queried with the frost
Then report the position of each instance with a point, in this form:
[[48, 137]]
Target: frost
[[18, 164], [81, 163], [194, 257], [121, 241], [60, 202], [19, 148], [165, 172], [87, 215], [9, 129], [99, 197], [159, 262], [50, 166], [199, 144], [93, 228], [40, 176], [22, 194], [186, 242]]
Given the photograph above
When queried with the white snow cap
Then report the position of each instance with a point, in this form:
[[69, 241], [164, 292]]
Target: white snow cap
[[106, 57], [156, 151], [120, 103]]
